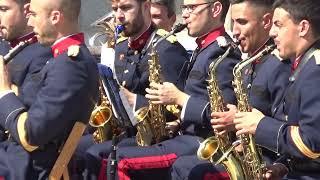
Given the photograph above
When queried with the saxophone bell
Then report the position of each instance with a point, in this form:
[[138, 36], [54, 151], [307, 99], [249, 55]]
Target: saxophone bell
[[101, 118]]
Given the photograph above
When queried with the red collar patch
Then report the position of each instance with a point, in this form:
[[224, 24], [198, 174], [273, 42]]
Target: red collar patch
[[63, 45], [26, 37], [139, 43], [207, 39]]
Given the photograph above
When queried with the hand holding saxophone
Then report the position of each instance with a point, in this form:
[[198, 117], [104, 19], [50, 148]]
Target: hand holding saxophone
[[247, 122], [5, 83], [223, 121], [166, 93]]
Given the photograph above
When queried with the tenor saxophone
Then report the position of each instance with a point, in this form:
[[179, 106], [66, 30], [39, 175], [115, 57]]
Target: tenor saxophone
[[252, 158], [151, 119], [218, 148]]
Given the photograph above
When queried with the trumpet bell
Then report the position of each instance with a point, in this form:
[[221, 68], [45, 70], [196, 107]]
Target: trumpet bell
[[208, 149]]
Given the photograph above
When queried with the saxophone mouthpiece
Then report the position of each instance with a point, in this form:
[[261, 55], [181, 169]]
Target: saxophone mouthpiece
[[119, 28], [178, 28]]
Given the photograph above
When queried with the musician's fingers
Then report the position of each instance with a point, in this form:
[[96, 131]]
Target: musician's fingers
[[152, 91], [151, 97]]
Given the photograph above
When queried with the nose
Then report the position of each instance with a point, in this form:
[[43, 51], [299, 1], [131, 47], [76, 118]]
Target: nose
[[273, 32], [119, 15], [236, 30], [30, 21], [185, 15]]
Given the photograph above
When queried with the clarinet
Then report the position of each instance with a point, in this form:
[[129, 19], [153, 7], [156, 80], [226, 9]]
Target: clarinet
[[14, 51], [113, 158]]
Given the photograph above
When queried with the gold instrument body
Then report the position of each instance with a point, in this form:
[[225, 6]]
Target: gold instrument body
[[218, 148], [151, 119], [252, 156], [102, 116], [102, 119]]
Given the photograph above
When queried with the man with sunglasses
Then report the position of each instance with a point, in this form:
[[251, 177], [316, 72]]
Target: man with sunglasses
[[204, 20]]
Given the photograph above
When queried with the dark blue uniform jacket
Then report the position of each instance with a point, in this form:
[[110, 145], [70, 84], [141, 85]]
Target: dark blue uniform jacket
[[132, 67], [68, 92], [24, 67], [298, 136], [197, 110]]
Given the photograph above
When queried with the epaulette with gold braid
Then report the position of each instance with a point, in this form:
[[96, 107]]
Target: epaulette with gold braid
[[172, 39], [121, 39]]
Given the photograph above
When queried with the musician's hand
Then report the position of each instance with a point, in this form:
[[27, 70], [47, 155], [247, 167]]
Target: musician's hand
[[5, 84], [276, 172], [166, 93], [130, 96], [223, 121], [247, 122]]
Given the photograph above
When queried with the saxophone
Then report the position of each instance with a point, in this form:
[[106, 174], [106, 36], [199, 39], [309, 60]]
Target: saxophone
[[102, 118], [218, 148], [252, 157], [151, 121], [102, 115]]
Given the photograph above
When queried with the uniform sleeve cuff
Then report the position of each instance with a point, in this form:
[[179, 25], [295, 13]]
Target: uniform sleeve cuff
[[3, 93], [184, 109], [194, 110], [10, 106], [267, 133]]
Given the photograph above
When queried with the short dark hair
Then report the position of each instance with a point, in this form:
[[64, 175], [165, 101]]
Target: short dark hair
[[169, 4], [22, 2], [302, 10], [71, 8], [260, 3]]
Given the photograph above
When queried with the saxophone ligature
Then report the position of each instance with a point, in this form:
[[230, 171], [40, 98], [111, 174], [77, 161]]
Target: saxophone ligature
[[219, 148], [151, 119], [251, 154]]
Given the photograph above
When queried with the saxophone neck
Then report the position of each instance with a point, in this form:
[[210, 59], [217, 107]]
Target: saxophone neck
[[244, 63]]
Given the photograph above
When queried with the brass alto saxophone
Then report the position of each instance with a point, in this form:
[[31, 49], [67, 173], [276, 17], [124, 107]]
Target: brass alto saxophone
[[218, 148], [102, 115], [151, 119], [102, 119], [252, 158]]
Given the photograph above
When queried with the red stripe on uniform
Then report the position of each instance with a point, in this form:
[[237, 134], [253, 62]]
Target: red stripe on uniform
[[216, 176], [103, 170], [150, 162]]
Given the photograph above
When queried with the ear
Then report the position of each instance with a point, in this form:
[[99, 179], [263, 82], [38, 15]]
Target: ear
[[267, 21], [147, 6], [56, 17], [26, 9], [304, 28], [216, 9]]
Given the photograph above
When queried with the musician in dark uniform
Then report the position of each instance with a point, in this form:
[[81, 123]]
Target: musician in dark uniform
[[27, 63], [265, 79], [205, 22], [67, 93], [296, 33], [131, 66], [163, 14]]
